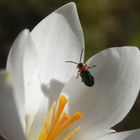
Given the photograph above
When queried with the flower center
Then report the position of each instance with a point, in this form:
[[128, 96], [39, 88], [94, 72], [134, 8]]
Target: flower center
[[56, 123]]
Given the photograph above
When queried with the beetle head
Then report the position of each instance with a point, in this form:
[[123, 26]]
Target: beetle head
[[80, 65]]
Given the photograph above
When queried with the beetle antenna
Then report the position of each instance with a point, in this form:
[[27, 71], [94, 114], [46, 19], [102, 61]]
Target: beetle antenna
[[71, 62], [81, 55]]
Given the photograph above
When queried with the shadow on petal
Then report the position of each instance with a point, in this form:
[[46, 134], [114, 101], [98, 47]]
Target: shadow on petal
[[52, 90]]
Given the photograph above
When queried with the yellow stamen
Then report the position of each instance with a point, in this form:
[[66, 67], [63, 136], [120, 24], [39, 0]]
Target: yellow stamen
[[47, 123], [64, 118], [53, 128], [74, 118], [62, 103], [70, 134]]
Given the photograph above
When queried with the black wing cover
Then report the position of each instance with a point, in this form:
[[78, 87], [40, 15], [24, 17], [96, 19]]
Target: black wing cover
[[87, 78]]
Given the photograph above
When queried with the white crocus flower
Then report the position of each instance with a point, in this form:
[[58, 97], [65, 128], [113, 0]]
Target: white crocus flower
[[38, 75]]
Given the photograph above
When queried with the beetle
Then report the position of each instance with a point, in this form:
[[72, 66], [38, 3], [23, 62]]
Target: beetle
[[83, 71]]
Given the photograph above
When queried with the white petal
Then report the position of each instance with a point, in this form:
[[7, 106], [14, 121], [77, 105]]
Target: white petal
[[117, 83], [31, 84], [29, 60], [128, 135], [21, 63], [15, 66], [10, 126], [90, 135], [58, 38]]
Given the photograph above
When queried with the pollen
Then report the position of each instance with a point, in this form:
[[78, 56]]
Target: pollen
[[57, 121]]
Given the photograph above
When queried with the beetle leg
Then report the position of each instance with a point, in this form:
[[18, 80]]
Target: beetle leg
[[77, 76], [91, 67], [78, 73], [85, 67], [88, 68], [93, 76]]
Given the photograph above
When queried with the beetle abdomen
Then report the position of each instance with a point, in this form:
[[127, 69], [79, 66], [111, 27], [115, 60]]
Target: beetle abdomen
[[87, 78]]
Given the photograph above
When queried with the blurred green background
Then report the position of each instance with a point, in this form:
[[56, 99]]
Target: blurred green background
[[106, 23]]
